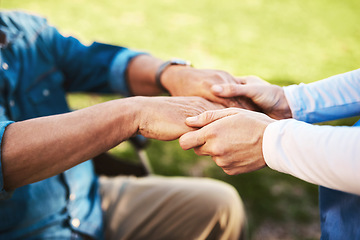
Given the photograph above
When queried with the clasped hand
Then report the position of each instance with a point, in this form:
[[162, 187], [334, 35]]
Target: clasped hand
[[233, 136], [187, 81], [163, 118]]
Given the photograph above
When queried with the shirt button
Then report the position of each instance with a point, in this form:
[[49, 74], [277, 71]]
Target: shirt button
[[75, 222], [72, 197], [5, 66], [46, 92], [12, 103]]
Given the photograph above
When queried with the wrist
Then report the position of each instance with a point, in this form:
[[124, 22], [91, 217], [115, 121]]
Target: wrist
[[282, 107], [285, 107], [141, 75], [128, 115], [263, 130], [166, 72]]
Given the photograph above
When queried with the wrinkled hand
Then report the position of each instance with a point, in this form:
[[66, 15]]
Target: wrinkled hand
[[270, 99], [163, 118], [232, 137], [187, 81]]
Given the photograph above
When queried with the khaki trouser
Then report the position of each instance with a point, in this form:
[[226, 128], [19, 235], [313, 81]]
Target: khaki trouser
[[170, 208]]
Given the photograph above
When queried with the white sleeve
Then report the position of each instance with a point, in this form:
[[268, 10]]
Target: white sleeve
[[323, 155]]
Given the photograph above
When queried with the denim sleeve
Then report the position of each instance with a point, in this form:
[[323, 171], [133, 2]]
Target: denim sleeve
[[118, 81], [3, 194], [332, 98], [97, 68]]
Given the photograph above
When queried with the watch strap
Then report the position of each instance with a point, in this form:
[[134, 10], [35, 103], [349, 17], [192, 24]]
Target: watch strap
[[165, 65]]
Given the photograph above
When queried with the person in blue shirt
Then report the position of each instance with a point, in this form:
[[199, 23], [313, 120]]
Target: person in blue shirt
[[48, 188]]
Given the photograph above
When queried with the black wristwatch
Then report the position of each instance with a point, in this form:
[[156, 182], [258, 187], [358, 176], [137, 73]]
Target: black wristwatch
[[167, 64]]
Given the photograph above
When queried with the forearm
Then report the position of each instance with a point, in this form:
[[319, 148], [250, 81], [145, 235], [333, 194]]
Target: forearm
[[39, 148], [323, 155], [141, 75]]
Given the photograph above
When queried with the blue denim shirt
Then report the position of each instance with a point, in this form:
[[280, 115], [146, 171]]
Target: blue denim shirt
[[38, 66]]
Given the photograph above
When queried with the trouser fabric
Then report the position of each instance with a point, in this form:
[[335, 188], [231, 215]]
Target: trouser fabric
[[164, 208]]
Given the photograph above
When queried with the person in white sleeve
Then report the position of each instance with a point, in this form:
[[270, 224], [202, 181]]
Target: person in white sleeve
[[283, 138]]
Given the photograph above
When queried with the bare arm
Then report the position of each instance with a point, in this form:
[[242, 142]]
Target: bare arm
[[141, 75], [39, 148], [180, 80]]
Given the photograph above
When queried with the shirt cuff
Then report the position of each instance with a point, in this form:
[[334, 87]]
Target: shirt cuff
[[332, 98], [270, 145], [118, 81], [3, 194], [295, 102]]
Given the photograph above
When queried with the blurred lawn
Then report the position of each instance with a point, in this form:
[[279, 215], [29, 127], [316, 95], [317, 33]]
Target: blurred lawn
[[282, 41]]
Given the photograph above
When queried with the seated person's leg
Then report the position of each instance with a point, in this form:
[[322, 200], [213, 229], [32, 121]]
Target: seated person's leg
[[170, 208]]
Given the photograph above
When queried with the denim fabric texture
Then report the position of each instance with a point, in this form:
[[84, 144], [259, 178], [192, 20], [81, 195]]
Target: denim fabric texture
[[339, 213], [38, 66]]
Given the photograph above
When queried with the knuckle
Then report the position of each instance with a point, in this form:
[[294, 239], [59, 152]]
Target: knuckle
[[211, 135], [220, 162], [202, 101], [219, 74], [217, 150], [208, 116], [231, 88]]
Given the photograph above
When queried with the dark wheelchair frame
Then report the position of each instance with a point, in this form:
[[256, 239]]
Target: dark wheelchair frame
[[109, 165]]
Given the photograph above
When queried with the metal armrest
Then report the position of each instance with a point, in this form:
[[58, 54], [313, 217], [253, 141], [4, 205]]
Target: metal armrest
[[110, 165]]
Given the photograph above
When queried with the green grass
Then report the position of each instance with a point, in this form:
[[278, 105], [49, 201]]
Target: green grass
[[285, 42]]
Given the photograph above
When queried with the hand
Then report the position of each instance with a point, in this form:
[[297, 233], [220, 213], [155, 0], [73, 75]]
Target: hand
[[163, 118], [232, 136], [269, 99], [187, 81]]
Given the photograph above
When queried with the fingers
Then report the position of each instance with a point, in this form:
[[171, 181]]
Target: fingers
[[198, 139], [192, 140], [244, 86], [230, 90], [251, 80], [205, 92], [228, 102], [210, 116]]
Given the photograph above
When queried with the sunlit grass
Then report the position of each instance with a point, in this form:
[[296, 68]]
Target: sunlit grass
[[285, 42]]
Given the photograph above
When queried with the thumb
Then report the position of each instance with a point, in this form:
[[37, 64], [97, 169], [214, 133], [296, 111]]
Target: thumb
[[192, 139], [210, 116]]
